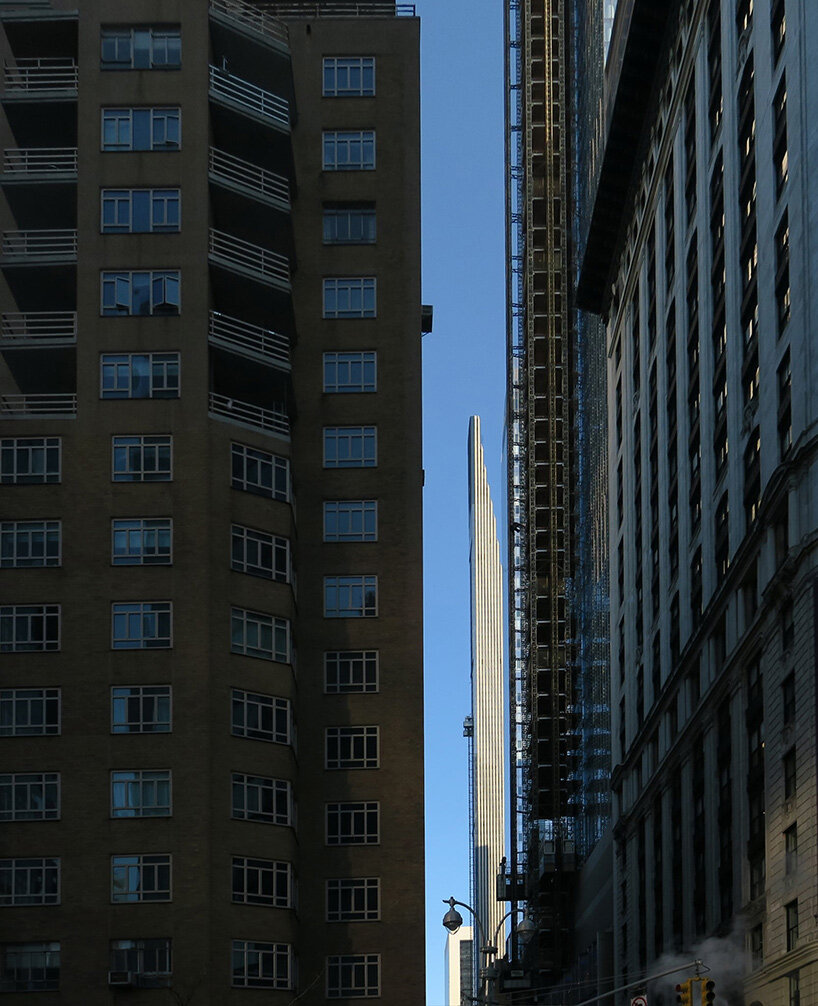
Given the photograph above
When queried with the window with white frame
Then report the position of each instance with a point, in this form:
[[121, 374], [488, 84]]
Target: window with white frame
[[29, 712], [351, 747], [29, 967], [349, 76], [354, 976], [350, 297], [142, 541], [138, 48], [350, 446], [350, 224], [348, 671], [141, 625], [142, 957], [261, 717], [259, 472], [262, 882], [140, 292], [139, 375], [29, 543], [354, 899], [346, 373], [28, 628], [349, 149], [26, 461], [29, 881], [262, 965], [140, 211], [258, 798], [350, 596], [157, 128], [30, 796], [141, 709], [140, 878], [351, 520], [141, 793], [257, 634], [353, 823], [260, 553], [142, 459]]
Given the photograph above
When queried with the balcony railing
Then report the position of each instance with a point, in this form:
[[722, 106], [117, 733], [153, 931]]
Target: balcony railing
[[340, 8], [252, 260], [249, 97], [249, 178], [38, 328], [38, 406], [33, 75], [252, 17], [27, 162], [37, 247], [268, 420], [249, 340]]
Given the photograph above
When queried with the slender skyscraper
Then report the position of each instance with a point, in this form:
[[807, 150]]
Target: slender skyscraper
[[488, 766]]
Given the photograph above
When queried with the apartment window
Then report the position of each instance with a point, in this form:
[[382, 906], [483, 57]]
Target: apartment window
[[350, 372], [794, 989], [350, 297], [29, 712], [348, 671], [30, 796], [787, 618], [778, 27], [350, 596], [141, 709], [783, 292], [351, 747], [140, 211], [354, 899], [780, 151], [354, 976], [139, 375], [261, 717], [142, 957], [257, 798], [349, 224], [354, 823], [349, 76], [349, 150], [30, 460], [789, 766], [757, 946], [29, 543], [29, 881], [260, 554], [140, 878], [141, 793], [350, 446], [142, 459], [141, 625], [261, 965], [788, 699], [791, 924], [351, 520], [758, 875], [30, 967], [124, 48], [141, 128], [142, 542], [140, 293], [28, 628], [262, 882], [257, 634], [258, 472], [791, 849]]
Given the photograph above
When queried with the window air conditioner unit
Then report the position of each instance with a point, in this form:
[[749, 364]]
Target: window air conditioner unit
[[120, 978]]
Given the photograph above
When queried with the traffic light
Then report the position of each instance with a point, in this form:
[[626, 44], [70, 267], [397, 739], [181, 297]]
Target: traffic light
[[684, 993], [708, 991]]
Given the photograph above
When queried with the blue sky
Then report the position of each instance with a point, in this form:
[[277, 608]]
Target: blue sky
[[464, 374]]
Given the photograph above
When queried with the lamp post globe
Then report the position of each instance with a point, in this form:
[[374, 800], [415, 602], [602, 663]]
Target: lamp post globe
[[452, 920]]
